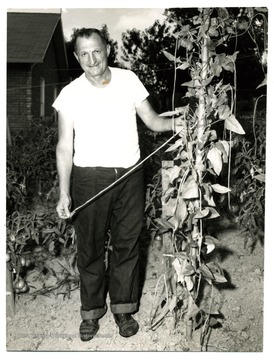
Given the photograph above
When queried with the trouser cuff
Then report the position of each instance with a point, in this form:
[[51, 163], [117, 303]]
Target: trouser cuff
[[123, 308], [93, 314]]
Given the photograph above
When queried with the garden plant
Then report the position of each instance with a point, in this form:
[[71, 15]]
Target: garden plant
[[34, 232], [190, 183]]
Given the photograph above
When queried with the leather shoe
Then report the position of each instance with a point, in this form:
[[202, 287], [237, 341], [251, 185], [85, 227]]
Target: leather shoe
[[127, 325], [88, 329]]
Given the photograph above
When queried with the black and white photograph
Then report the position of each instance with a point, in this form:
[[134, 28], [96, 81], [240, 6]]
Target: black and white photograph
[[135, 178]]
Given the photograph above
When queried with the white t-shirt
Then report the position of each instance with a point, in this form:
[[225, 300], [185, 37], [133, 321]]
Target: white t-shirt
[[104, 119]]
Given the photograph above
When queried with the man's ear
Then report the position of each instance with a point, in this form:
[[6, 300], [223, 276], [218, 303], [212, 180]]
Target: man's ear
[[108, 50], [74, 53]]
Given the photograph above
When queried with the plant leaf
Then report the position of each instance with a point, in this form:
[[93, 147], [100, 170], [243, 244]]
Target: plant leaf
[[189, 283], [205, 271], [163, 313], [224, 112], [226, 146], [217, 272], [174, 173], [216, 69], [170, 207], [170, 56], [164, 223], [51, 246], [209, 248], [219, 278], [232, 124], [181, 211], [202, 213], [222, 149], [192, 310], [210, 244], [192, 83], [178, 268], [210, 239], [208, 80], [213, 31], [213, 213], [209, 199], [183, 66], [260, 177], [215, 157], [220, 188], [20, 242], [187, 44], [174, 146], [190, 190]]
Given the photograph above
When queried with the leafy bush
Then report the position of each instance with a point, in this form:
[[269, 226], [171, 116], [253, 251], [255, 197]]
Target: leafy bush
[[248, 188], [31, 189], [31, 165]]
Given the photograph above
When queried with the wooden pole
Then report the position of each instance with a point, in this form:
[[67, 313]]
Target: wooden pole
[[10, 303], [201, 123], [167, 165], [168, 247]]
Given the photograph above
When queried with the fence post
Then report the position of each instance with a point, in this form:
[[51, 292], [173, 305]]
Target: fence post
[[9, 141]]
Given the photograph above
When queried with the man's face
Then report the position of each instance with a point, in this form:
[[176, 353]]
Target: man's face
[[92, 55]]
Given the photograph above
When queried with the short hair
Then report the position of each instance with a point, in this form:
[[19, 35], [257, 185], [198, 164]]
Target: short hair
[[85, 32]]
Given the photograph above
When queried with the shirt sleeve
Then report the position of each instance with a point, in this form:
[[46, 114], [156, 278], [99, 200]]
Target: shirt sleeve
[[141, 92], [59, 101], [64, 103]]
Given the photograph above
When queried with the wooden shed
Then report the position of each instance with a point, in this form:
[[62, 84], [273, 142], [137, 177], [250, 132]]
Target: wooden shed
[[37, 67]]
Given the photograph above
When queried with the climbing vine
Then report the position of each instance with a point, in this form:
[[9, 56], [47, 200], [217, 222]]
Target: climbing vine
[[190, 181]]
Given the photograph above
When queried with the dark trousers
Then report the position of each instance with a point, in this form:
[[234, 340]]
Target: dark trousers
[[120, 209]]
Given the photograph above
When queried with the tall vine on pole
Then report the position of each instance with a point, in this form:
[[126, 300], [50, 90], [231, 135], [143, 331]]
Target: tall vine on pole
[[192, 179]]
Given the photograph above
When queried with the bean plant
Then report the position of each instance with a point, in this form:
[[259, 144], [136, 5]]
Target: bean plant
[[190, 181]]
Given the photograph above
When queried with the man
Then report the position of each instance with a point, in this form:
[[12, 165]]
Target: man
[[98, 142]]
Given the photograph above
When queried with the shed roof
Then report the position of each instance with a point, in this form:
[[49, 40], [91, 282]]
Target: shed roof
[[28, 36]]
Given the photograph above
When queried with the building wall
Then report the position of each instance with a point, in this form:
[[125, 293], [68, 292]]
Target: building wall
[[24, 90], [49, 72], [18, 96]]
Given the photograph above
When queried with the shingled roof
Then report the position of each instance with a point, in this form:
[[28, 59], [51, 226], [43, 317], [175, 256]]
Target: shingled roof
[[28, 36]]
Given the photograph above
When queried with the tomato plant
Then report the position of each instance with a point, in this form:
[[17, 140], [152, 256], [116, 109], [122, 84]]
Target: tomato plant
[[28, 231], [32, 182], [31, 166]]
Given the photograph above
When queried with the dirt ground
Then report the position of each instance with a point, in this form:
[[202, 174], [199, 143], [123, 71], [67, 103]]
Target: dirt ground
[[51, 323]]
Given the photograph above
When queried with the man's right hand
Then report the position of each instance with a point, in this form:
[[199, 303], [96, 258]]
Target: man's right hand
[[63, 207]]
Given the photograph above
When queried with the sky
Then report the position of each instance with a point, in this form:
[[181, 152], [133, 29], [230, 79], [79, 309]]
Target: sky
[[117, 20]]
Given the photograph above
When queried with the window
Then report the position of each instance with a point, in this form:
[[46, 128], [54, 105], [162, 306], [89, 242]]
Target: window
[[42, 97]]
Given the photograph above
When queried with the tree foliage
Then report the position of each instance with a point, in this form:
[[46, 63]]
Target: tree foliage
[[144, 51]]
